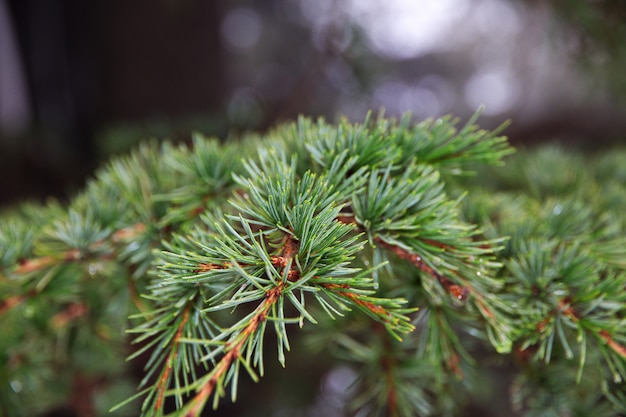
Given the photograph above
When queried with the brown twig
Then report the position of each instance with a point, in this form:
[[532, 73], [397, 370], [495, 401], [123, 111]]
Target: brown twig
[[343, 290], [72, 255], [71, 312], [457, 291], [460, 292], [290, 247], [616, 347], [565, 308], [205, 267], [161, 385], [234, 350], [14, 301]]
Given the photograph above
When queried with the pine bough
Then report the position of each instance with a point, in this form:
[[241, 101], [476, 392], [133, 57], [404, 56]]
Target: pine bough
[[370, 248]]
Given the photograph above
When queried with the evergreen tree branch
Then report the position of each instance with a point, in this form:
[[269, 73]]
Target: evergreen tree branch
[[213, 243], [612, 343], [14, 301], [459, 292], [163, 381], [234, 348], [232, 354], [70, 313], [126, 234]]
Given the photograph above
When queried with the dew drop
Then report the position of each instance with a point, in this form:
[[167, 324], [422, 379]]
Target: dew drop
[[133, 246], [16, 386]]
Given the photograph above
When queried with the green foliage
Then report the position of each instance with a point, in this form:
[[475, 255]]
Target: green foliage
[[403, 254]]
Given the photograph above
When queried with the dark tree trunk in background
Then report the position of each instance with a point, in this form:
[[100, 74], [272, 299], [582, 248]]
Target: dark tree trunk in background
[[159, 58], [89, 64]]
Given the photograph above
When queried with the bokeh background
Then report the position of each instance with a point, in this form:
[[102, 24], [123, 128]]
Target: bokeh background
[[81, 80]]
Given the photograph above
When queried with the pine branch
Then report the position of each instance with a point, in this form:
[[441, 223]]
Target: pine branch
[[349, 229], [14, 301], [215, 379], [73, 255], [457, 291], [163, 381]]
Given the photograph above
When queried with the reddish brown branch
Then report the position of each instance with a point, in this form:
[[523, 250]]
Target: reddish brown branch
[[414, 258], [204, 267], [234, 350], [344, 291], [70, 313], [161, 385], [290, 247], [15, 301], [457, 291], [460, 292], [72, 255], [615, 346]]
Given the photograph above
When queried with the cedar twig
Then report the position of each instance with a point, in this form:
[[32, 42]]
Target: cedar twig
[[71, 312], [566, 309], [343, 290], [15, 300], [616, 347], [161, 385], [234, 350], [232, 353], [72, 255], [457, 291]]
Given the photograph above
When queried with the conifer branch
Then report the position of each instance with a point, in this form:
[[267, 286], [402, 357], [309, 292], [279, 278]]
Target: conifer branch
[[212, 244], [233, 351], [70, 313], [14, 301], [459, 292], [163, 381], [614, 345], [74, 255]]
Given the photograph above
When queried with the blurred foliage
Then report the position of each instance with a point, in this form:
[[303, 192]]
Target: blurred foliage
[[598, 29]]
